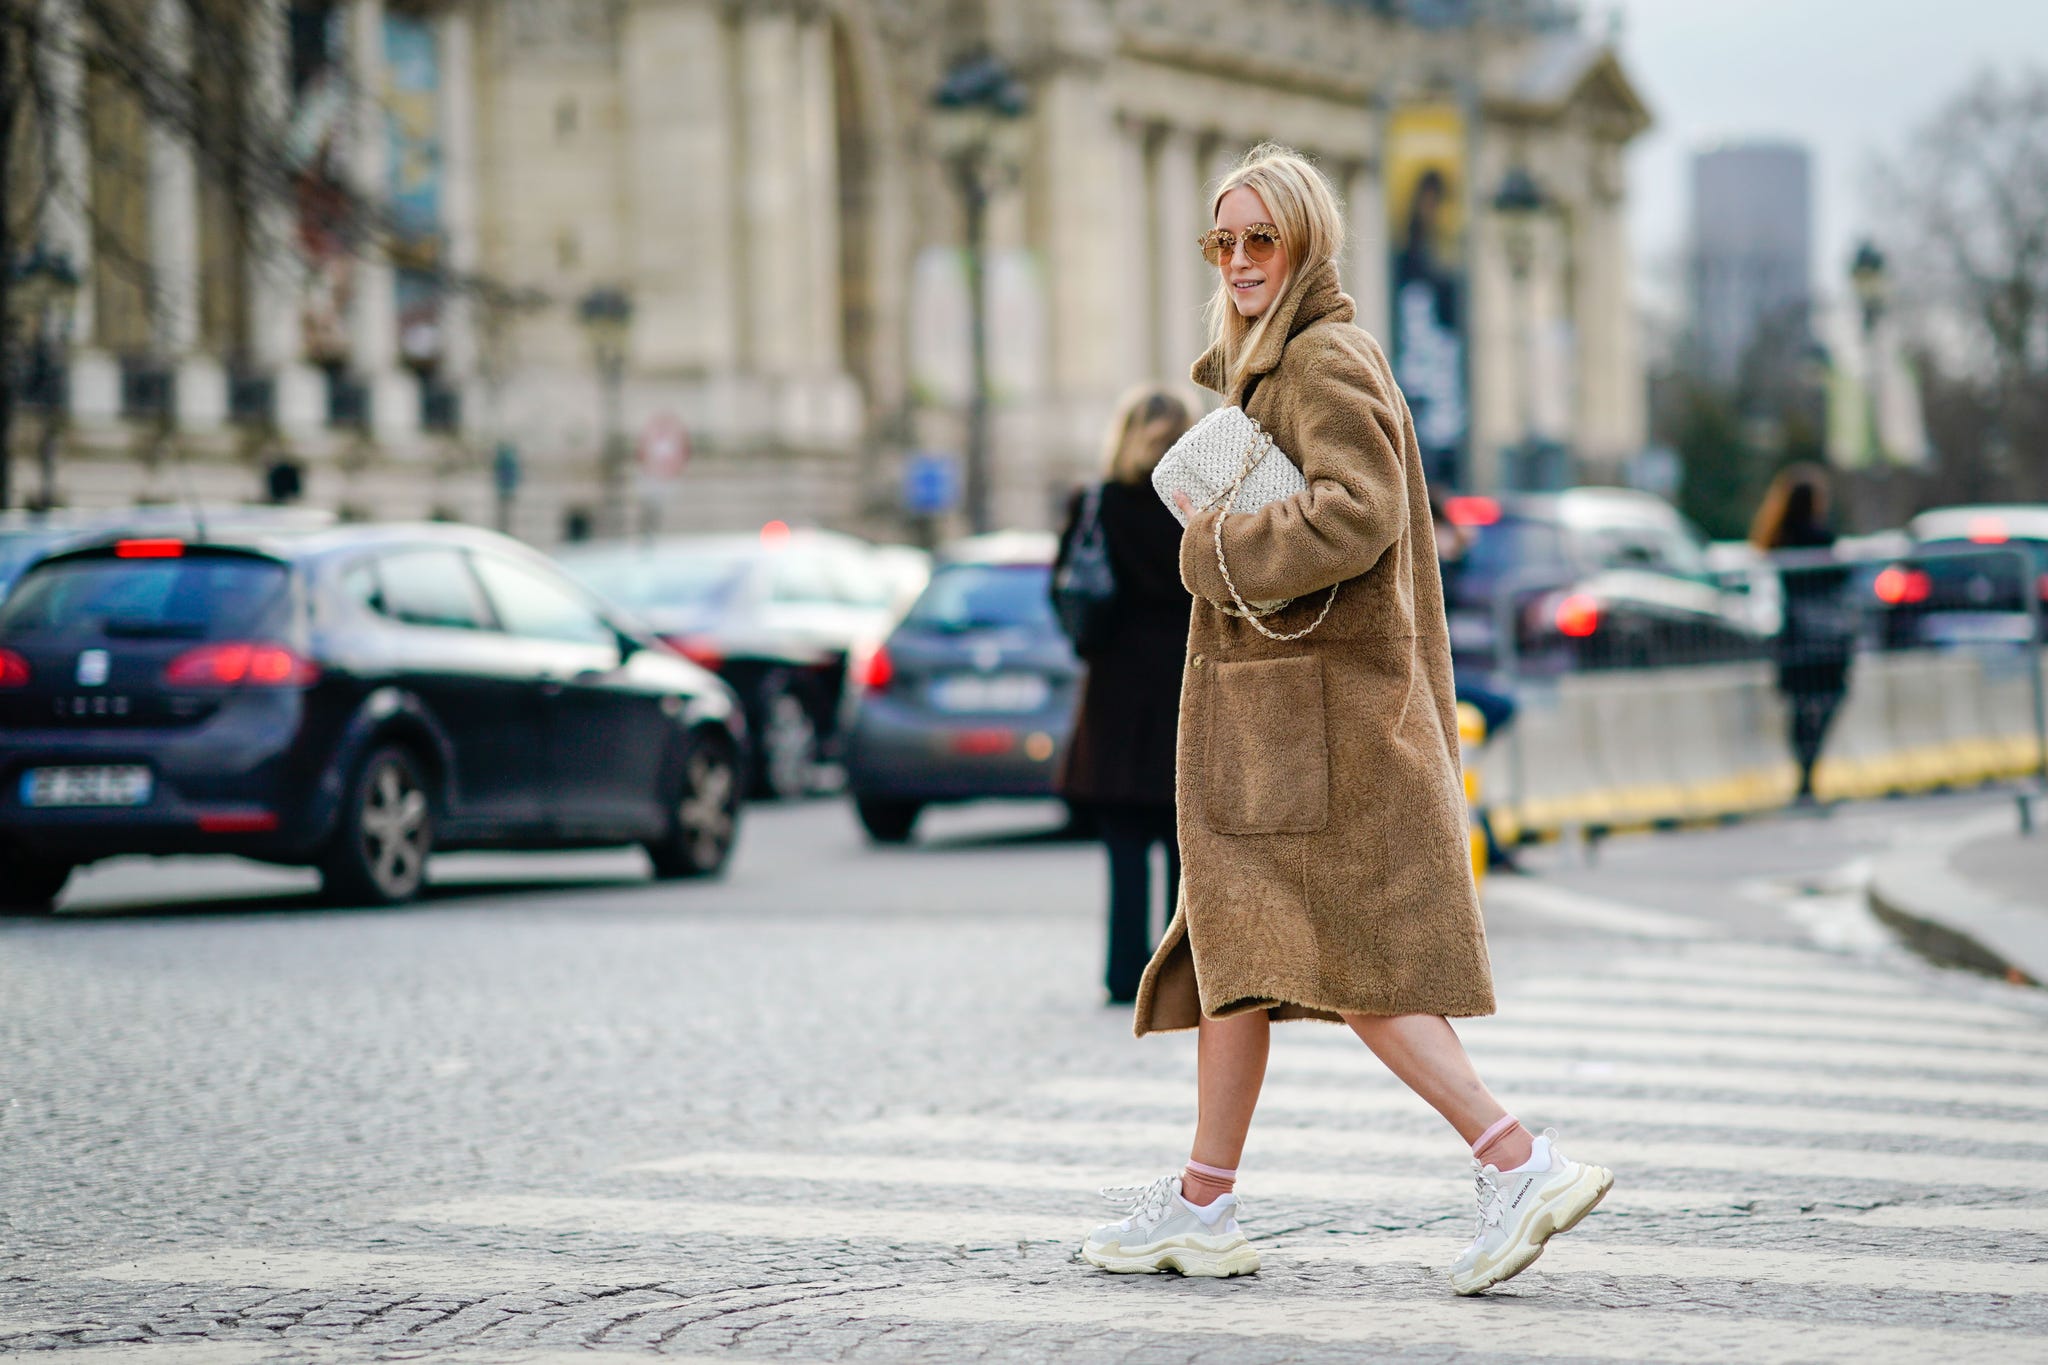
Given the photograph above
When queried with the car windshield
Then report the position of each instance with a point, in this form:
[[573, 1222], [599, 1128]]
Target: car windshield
[[661, 580], [198, 598], [1508, 545], [964, 597], [1961, 558], [16, 551]]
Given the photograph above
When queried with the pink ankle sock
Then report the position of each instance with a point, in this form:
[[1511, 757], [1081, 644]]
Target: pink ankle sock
[[1204, 1185], [1505, 1146]]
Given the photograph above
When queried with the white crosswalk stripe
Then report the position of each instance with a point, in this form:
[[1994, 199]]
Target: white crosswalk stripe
[[1810, 1099]]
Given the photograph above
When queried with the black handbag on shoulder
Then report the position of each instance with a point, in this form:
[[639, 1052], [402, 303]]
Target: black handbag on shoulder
[[1084, 588]]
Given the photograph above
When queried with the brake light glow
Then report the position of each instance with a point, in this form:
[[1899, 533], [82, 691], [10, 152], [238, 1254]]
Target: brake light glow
[[1900, 586], [700, 650], [1578, 615], [984, 743], [775, 533], [14, 671], [1471, 511], [238, 822], [241, 664], [155, 547], [877, 671], [1988, 531]]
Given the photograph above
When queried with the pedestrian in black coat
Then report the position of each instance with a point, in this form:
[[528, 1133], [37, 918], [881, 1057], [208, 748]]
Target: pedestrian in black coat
[[1817, 641], [1119, 763]]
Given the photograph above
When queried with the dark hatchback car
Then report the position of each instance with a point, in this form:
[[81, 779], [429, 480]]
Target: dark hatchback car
[[352, 700], [1598, 578], [1966, 580], [972, 696]]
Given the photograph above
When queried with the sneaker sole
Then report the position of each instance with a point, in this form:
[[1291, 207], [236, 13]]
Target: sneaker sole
[[1217, 1262], [1560, 1213]]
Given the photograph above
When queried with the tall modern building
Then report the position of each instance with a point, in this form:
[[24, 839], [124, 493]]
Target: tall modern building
[[1752, 249]]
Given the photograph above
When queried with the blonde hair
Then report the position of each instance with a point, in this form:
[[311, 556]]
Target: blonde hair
[[1311, 225], [1148, 420], [1799, 494]]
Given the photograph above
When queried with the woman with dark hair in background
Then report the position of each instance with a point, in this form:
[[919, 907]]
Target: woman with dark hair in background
[[1119, 763], [1818, 638]]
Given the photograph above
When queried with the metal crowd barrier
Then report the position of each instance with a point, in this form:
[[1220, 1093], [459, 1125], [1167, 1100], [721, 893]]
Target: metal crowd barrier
[[1645, 743]]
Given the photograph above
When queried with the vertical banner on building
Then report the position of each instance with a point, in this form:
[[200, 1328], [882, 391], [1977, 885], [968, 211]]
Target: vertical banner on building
[[1425, 191], [412, 65]]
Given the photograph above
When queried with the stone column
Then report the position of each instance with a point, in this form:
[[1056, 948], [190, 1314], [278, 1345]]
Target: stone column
[[199, 389], [95, 376], [774, 273], [1366, 267], [456, 113], [1185, 279], [373, 298], [1610, 418], [834, 401], [276, 331], [1132, 313]]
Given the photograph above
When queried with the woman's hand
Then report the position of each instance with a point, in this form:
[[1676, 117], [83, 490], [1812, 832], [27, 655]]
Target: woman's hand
[[1184, 503]]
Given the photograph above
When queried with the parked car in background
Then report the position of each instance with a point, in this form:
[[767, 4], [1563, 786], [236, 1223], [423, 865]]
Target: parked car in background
[[971, 696], [777, 615], [352, 699], [1599, 578], [1964, 580]]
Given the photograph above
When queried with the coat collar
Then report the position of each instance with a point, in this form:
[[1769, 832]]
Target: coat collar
[[1311, 298]]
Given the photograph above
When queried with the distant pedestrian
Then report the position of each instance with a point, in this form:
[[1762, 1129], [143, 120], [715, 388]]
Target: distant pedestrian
[[1321, 810], [1119, 764], [1817, 641]]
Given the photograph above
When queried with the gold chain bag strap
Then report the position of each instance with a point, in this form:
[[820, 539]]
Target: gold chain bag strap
[[1260, 447]]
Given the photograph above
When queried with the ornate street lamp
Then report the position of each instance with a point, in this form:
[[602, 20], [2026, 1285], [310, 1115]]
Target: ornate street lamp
[[979, 130], [1871, 280], [1520, 206], [48, 284], [607, 318]]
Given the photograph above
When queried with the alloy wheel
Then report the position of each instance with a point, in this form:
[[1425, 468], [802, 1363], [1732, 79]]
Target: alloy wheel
[[789, 745], [705, 814], [394, 828]]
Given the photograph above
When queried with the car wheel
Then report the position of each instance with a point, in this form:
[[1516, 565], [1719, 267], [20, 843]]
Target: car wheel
[[29, 885], [787, 749], [888, 822], [379, 852], [704, 817]]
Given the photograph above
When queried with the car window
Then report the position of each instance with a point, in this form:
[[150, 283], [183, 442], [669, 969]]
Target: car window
[[1509, 545], [661, 578], [534, 603], [201, 597], [979, 596], [427, 587]]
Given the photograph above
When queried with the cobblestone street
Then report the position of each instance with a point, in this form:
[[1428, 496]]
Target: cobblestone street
[[852, 1105]]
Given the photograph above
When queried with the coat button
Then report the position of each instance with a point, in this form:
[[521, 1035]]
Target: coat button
[[1195, 662]]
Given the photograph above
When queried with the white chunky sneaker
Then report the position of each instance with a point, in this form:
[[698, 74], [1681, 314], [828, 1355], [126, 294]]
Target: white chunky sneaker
[[1165, 1232], [1520, 1210]]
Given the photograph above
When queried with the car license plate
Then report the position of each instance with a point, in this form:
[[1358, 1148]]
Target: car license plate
[[1975, 628], [111, 786], [1000, 692]]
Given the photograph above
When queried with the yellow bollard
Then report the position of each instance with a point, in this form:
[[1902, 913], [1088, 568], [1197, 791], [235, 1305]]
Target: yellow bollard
[[1471, 734]]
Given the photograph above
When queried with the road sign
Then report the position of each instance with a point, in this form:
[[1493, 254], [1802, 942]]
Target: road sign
[[664, 448], [505, 469], [931, 483]]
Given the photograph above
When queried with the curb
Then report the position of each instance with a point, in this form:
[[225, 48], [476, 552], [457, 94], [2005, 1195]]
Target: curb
[[1949, 919]]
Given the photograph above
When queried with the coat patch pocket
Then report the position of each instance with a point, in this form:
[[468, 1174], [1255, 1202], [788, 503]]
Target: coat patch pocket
[[1268, 755]]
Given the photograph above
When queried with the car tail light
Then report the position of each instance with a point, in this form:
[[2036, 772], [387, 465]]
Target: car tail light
[[775, 534], [1988, 531], [14, 670], [1471, 511], [2041, 587], [154, 547], [701, 650], [239, 822], [877, 671], [241, 664], [1578, 616], [988, 743], [1900, 586]]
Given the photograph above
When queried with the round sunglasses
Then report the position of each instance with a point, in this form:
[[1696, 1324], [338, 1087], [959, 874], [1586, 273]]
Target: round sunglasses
[[1260, 240]]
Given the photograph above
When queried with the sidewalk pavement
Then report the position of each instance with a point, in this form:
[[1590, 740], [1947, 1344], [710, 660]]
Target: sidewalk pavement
[[1973, 894]]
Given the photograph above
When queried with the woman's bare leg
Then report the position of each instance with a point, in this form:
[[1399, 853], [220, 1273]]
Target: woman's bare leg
[[1424, 1051], [1231, 1057]]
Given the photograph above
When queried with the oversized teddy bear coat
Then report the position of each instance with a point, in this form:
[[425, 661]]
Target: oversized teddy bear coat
[[1325, 862]]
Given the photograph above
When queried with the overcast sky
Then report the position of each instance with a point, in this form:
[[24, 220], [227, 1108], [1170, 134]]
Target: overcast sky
[[1849, 78]]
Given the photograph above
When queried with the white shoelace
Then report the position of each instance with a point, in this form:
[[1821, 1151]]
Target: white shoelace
[[1486, 1184], [1147, 1202]]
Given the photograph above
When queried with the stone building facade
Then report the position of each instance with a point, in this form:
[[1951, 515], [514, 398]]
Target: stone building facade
[[761, 179]]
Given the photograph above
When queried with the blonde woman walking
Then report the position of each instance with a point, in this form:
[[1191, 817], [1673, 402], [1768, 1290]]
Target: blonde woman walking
[[1321, 813]]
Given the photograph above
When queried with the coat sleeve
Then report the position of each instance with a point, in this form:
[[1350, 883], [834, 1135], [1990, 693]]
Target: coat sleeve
[[1348, 433]]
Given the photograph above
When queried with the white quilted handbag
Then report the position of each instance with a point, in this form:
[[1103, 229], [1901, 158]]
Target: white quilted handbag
[[1227, 459]]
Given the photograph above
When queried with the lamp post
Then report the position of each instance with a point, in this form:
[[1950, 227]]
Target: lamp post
[[1519, 204], [978, 124], [606, 315], [1872, 283], [48, 283]]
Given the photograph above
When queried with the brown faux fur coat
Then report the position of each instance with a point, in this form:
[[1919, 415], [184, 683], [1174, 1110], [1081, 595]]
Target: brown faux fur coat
[[1321, 811]]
